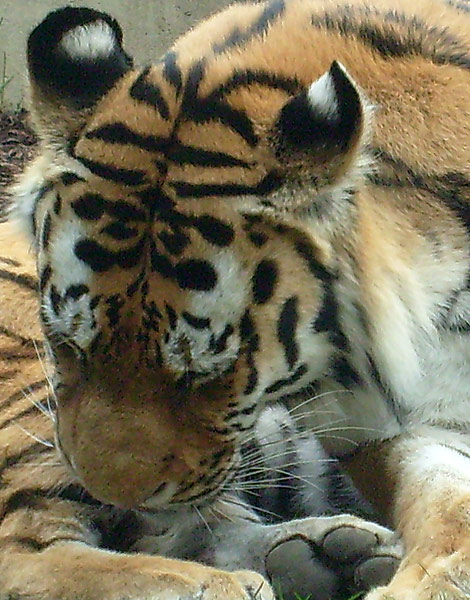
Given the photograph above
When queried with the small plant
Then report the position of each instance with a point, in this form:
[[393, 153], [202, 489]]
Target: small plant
[[280, 596], [4, 79]]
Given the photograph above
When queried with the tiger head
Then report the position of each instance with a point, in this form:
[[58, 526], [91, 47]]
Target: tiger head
[[180, 215]]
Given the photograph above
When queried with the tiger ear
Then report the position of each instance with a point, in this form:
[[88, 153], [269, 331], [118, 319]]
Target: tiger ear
[[320, 133], [75, 56]]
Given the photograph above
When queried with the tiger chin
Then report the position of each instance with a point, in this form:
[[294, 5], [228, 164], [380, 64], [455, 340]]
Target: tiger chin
[[280, 203]]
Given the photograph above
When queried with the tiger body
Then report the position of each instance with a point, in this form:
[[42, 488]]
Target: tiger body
[[280, 203]]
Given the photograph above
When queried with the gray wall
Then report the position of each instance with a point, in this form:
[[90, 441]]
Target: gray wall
[[149, 28]]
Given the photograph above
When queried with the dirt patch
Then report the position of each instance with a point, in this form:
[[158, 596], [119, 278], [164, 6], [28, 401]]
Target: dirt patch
[[16, 146]]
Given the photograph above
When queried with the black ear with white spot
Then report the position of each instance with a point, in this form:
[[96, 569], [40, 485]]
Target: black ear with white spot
[[76, 55], [324, 122]]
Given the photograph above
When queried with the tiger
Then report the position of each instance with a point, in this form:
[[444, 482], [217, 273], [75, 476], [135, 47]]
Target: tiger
[[283, 478], [279, 204]]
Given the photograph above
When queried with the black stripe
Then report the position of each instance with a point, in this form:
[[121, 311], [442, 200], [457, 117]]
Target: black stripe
[[89, 206], [328, 319], [23, 393], [452, 187], [258, 238], [56, 299], [17, 354], [172, 72], [384, 389], [118, 133], [413, 37], [37, 449], [20, 279], [196, 322], [203, 111], [76, 291], [172, 316], [92, 207], [19, 338], [281, 383], [155, 199], [190, 102], [218, 344], [236, 119], [286, 330], [47, 187], [119, 231], [344, 373], [115, 303], [25, 498], [31, 544], [76, 493], [290, 85], [46, 230], [306, 251], [196, 274], [69, 178], [9, 261], [57, 205], [264, 281], [175, 242], [250, 338], [247, 411], [149, 94], [191, 155], [130, 177], [27, 412], [134, 286], [100, 259], [45, 277], [193, 190], [269, 15], [160, 262], [215, 231]]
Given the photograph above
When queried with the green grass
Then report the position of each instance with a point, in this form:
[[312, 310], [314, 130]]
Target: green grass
[[280, 596]]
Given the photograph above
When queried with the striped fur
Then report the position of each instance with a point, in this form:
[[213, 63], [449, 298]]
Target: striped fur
[[279, 204]]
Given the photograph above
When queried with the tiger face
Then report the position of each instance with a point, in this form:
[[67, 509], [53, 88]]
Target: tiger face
[[164, 206], [239, 221]]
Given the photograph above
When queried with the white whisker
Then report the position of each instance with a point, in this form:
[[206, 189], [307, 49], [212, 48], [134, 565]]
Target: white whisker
[[35, 437], [201, 516], [246, 505], [317, 397], [48, 379]]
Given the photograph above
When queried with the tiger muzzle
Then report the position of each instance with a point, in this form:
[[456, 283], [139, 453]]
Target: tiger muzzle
[[130, 437]]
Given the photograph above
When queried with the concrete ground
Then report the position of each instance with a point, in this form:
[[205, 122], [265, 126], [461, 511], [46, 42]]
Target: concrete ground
[[149, 28]]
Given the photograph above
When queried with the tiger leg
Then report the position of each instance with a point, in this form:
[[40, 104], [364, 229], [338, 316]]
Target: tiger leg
[[430, 476], [314, 557], [48, 553]]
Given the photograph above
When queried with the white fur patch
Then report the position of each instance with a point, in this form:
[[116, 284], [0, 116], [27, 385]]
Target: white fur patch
[[222, 307], [322, 96], [95, 40], [435, 461], [68, 270]]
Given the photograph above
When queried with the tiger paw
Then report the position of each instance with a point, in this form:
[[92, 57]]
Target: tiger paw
[[445, 578], [321, 557], [240, 585]]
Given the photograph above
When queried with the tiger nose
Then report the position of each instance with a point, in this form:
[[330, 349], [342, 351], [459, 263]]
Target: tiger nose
[[123, 482]]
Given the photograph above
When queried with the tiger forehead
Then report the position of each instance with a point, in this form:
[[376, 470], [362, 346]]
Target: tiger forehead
[[184, 278], [204, 233]]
